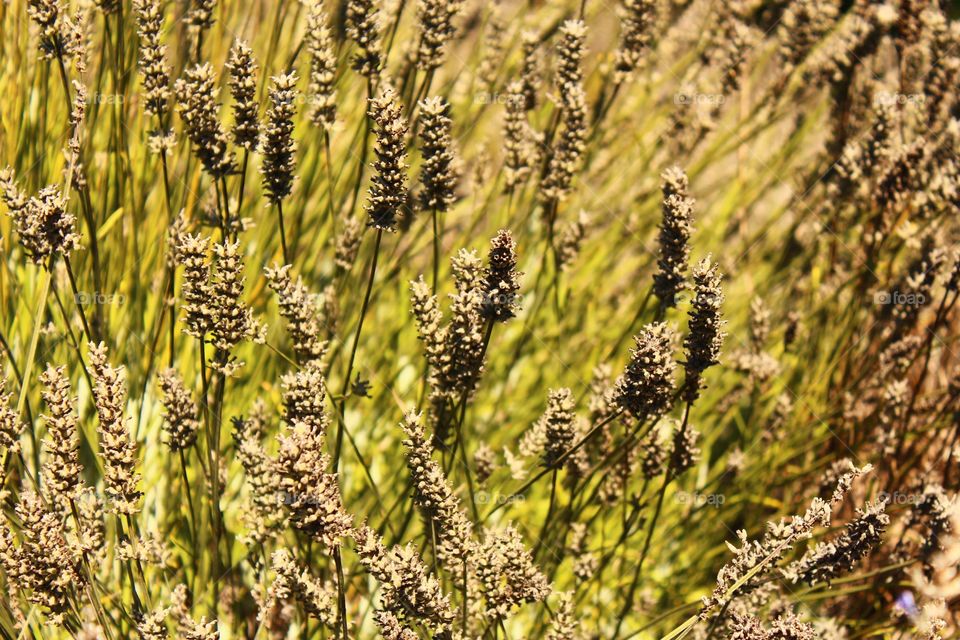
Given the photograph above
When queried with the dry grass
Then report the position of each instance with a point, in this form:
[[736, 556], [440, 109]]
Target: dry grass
[[470, 320]]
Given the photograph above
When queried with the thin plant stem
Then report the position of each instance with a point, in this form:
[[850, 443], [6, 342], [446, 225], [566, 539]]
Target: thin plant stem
[[353, 350], [283, 235]]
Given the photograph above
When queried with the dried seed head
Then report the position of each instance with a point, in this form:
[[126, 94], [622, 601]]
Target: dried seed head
[[502, 280], [180, 411], [746, 626], [759, 557], [304, 395], [570, 52], [388, 192], [152, 625], [200, 14], [759, 323], [301, 311], [903, 176], [615, 484], [638, 20], [834, 558], [462, 361], [391, 628], [705, 328], [790, 627], [756, 557], [47, 569], [531, 69], [323, 68], [200, 111], [646, 387], [733, 55], [566, 156], [191, 629], [600, 403], [654, 455], [231, 320], [803, 24], [265, 514], [430, 329], [161, 141], [57, 30], [277, 144], [942, 76], [685, 452], [675, 230], [73, 169], [154, 69], [586, 566], [918, 282], [331, 308], [91, 533], [519, 141], [117, 448], [484, 462], [434, 496], [438, 175], [243, 89], [435, 24], [565, 625], [43, 224], [293, 582], [15, 200], [11, 426], [348, 244], [192, 253], [310, 493], [507, 575], [61, 473], [559, 426], [570, 239], [791, 330], [408, 590], [363, 27], [493, 45]]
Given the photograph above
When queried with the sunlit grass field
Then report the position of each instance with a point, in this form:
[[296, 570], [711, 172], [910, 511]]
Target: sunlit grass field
[[628, 319]]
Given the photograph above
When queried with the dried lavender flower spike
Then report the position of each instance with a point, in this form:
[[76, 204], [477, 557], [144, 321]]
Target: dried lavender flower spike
[[61, 472], [277, 144], [117, 447], [646, 387], [438, 175], [243, 88], [388, 192], [180, 411], [502, 280], [363, 27], [675, 231], [705, 332], [152, 62], [323, 68], [196, 99]]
